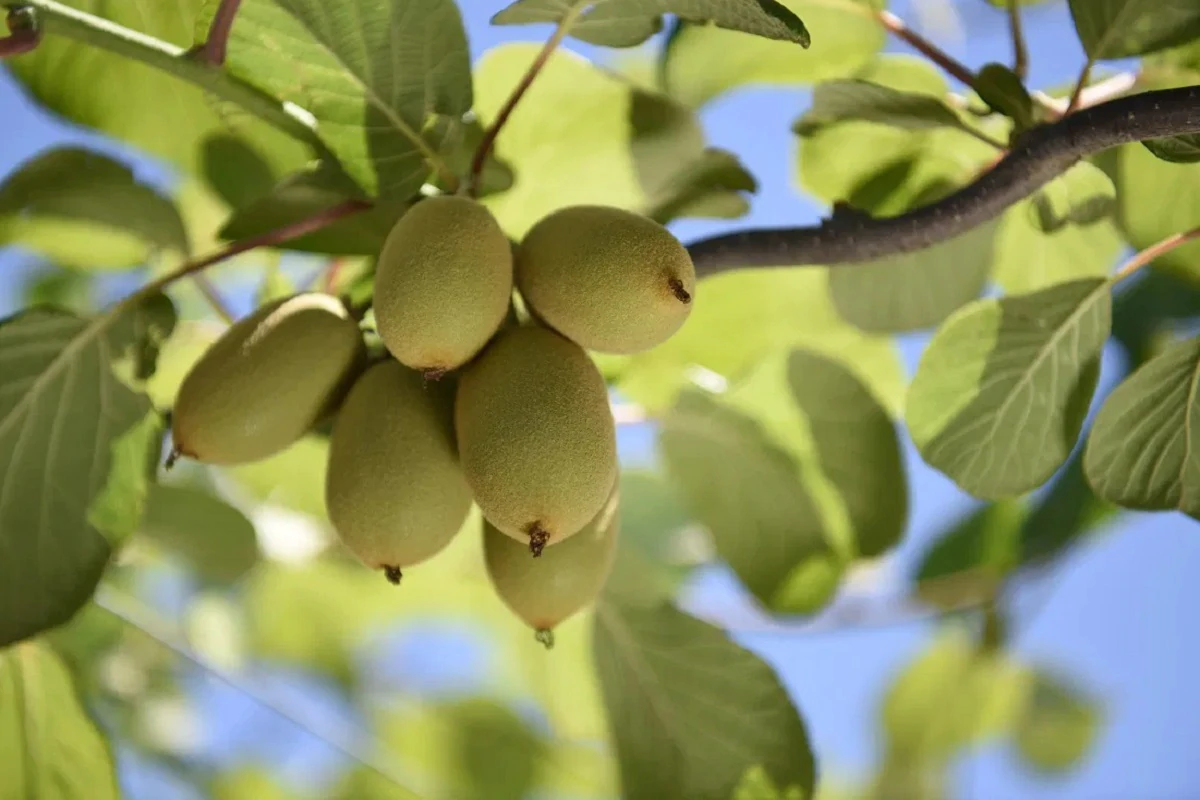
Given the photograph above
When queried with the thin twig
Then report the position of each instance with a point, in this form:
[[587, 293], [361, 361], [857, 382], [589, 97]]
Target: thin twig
[[1085, 75], [133, 613], [213, 297], [25, 33], [1154, 251], [489, 136], [215, 44], [1020, 49], [950, 65], [332, 271]]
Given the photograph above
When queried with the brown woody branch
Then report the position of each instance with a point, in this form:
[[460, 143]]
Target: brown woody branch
[[1042, 154]]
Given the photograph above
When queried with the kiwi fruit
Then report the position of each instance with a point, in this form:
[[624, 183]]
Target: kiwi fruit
[[394, 489], [267, 381], [535, 435], [608, 279], [443, 283], [566, 579]]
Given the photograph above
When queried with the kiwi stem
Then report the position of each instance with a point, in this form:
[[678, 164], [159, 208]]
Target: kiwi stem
[[393, 575], [546, 637], [538, 537], [489, 136], [214, 47], [681, 294]]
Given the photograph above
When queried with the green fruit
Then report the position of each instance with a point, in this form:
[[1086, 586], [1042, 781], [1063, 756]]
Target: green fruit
[[611, 280], [536, 436], [267, 380], [565, 580], [394, 488], [442, 284]]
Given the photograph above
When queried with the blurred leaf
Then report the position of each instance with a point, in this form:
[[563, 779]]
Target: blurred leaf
[[1081, 196], [1176, 149], [84, 209], [495, 753], [371, 75], [1058, 726], [303, 194], [1029, 258], [967, 563], [652, 519], [458, 142], [702, 62], [188, 342], [690, 710], [53, 750], [1139, 454], [627, 23], [951, 697], [756, 784], [83, 641], [83, 447], [1112, 29], [235, 170], [1001, 392], [1005, 93], [709, 187], [248, 783], [858, 100], [743, 316], [1145, 304], [914, 290], [66, 289], [274, 286], [142, 105], [294, 478], [211, 536], [1068, 512]]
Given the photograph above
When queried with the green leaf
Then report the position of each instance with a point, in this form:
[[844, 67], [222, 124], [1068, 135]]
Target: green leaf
[[628, 23], [690, 710], [968, 562], [67, 289], [234, 170], [744, 316], [372, 75], [652, 518], [1005, 93], [83, 209], [212, 537], [81, 447], [273, 286], [249, 783], [1142, 182], [914, 290], [756, 784], [703, 62], [303, 194], [1058, 727], [1029, 258], [1112, 29], [1145, 308], [53, 750], [1140, 452], [857, 100], [1001, 391], [1176, 149], [142, 105], [294, 478], [1081, 196], [458, 142], [1067, 513]]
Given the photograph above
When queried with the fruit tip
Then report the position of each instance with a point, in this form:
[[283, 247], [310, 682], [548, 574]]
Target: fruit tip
[[538, 537], [433, 374], [546, 637], [393, 575], [681, 294]]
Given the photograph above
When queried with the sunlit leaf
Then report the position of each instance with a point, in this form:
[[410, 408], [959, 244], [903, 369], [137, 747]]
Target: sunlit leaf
[[626, 23], [1029, 258], [211, 536], [53, 750], [1002, 390], [690, 710], [372, 75], [1121, 28], [83, 209], [1005, 93], [80, 447], [1058, 727], [1140, 453], [702, 62], [1081, 196]]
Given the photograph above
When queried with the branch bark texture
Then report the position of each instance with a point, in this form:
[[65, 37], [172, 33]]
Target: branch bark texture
[[1041, 155]]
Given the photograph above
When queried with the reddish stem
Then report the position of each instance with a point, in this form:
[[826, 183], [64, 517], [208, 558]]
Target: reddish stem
[[216, 44], [24, 36], [1154, 251], [896, 26]]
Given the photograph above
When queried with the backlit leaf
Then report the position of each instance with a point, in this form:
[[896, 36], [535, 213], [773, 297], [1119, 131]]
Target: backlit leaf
[[1122, 28], [1028, 257], [1058, 727], [211, 536], [857, 100], [1001, 392]]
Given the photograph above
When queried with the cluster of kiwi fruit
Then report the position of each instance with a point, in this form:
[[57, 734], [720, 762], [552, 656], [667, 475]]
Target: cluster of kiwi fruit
[[470, 403]]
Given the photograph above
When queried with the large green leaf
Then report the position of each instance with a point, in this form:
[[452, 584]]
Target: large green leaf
[[741, 317], [1058, 727], [303, 194], [212, 537], [1140, 453], [1176, 149], [52, 749], [1123, 28], [139, 104], [80, 447], [690, 711], [702, 62], [84, 209], [1002, 390], [372, 74], [627, 23]]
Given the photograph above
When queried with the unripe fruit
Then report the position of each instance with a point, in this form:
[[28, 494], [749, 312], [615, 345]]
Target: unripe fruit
[[536, 436], [394, 489], [566, 579], [443, 283], [610, 280], [266, 381]]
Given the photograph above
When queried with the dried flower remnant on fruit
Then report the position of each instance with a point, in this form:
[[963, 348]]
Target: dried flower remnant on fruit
[[545, 637], [538, 538], [393, 575]]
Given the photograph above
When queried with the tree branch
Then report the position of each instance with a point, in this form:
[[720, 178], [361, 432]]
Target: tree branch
[[1039, 156], [212, 52]]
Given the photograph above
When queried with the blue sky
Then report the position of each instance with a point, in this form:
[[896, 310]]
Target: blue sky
[[1120, 613]]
